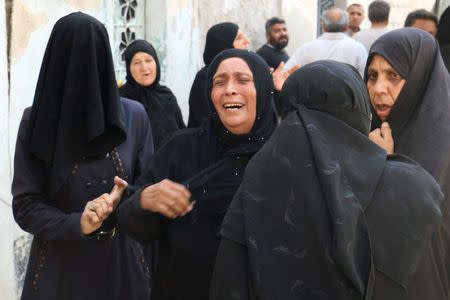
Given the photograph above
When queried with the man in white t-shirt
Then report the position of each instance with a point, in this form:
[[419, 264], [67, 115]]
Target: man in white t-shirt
[[333, 44], [379, 17]]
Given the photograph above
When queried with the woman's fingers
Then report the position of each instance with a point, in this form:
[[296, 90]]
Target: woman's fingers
[[169, 198]]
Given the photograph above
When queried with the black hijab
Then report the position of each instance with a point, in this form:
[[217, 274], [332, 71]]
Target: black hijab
[[301, 209], [219, 37], [420, 117], [266, 118], [159, 102], [443, 36], [76, 110], [443, 30]]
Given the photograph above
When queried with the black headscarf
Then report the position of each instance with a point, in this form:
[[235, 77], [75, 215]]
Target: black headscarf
[[219, 37], [420, 117], [302, 208], [266, 118], [158, 100], [76, 110], [443, 36], [443, 30]]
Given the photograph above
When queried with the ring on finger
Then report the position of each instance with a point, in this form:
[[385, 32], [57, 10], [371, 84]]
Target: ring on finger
[[91, 206]]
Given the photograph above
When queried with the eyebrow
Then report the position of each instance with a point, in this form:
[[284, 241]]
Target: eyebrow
[[233, 74]]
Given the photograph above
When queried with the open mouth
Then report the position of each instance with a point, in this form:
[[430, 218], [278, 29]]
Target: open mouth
[[383, 111], [233, 105]]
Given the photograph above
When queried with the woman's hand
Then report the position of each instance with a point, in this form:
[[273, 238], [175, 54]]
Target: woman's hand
[[280, 77], [383, 137], [97, 210], [168, 198]]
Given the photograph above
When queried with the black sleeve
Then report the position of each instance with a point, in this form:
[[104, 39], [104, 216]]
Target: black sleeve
[[30, 203], [231, 278], [141, 225]]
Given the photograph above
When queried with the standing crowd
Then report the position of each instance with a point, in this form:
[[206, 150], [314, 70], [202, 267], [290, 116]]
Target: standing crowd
[[324, 175]]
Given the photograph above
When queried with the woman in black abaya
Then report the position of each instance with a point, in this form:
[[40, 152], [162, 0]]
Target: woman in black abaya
[[72, 142], [322, 211], [206, 165], [416, 123], [221, 36], [143, 74]]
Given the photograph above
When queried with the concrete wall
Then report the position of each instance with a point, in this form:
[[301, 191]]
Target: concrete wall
[[7, 280]]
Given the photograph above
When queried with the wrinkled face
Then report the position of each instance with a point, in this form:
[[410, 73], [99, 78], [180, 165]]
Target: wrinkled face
[[234, 95], [384, 84], [427, 25], [279, 36], [355, 15], [143, 68], [240, 41]]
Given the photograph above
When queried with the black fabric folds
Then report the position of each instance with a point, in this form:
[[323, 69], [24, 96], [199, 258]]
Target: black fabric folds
[[71, 118], [443, 30], [210, 161], [443, 36], [420, 117], [310, 201], [420, 124], [219, 37], [159, 101]]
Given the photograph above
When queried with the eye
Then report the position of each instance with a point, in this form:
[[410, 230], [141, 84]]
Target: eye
[[218, 82], [372, 75]]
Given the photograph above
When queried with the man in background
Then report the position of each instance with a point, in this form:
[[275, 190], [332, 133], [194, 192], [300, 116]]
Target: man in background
[[355, 18], [277, 39], [379, 17], [333, 44], [422, 19]]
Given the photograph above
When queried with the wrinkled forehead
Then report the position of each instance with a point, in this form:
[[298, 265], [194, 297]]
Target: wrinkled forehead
[[233, 65]]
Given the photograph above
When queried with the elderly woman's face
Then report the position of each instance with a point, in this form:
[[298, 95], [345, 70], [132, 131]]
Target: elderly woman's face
[[384, 84], [234, 95], [143, 68]]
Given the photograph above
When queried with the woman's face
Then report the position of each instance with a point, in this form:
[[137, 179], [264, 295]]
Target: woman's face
[[143, 68], [240, 41], [384, 84], [234, 95]]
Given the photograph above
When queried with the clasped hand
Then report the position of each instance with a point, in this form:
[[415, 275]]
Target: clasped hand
[[97, 210]]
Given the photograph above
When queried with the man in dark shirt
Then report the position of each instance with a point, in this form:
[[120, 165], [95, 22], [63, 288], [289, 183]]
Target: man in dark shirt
[[277, 39]]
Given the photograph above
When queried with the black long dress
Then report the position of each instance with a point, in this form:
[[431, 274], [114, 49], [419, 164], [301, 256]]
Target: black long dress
[[420, 124], [219, 37], [72, 142], [322, 212], [159, 101], [63, 263], [210, 161]]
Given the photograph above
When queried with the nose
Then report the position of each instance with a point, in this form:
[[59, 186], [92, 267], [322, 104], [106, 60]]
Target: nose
[[230, 88], [246, 40], [380, 86]]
